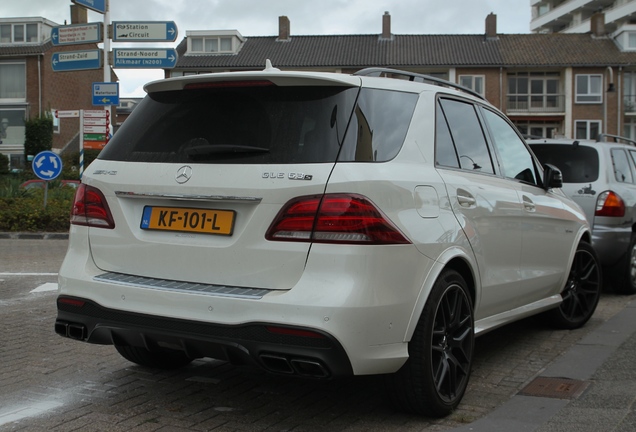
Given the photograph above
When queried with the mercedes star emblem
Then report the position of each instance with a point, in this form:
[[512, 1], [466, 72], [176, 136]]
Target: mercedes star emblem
[[183, 174]]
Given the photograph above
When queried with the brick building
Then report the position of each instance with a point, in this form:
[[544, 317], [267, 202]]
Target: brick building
[[30, 88], [548, 84]]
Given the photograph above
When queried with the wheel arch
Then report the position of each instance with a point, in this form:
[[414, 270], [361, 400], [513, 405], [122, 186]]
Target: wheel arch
[[455, 259]]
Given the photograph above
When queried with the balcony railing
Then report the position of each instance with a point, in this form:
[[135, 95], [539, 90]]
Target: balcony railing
[[536, 103]]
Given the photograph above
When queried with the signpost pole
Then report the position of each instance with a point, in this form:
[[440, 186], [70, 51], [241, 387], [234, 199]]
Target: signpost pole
[[81, 143], [106, 49]]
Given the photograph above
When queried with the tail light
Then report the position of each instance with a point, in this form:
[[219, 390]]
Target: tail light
[[90, 208], [609, 204], [334, 218]]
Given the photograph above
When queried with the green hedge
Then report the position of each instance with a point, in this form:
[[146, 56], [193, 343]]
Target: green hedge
[[23, 210]]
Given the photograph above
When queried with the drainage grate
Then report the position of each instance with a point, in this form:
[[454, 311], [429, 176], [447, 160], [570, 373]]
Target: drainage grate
[[559, 388]]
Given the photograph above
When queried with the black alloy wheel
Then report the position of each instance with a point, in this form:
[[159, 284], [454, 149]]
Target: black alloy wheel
[[433, 380], [582, 290]]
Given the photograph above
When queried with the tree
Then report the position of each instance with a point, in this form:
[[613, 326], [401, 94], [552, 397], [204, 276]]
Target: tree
[[38, 135]]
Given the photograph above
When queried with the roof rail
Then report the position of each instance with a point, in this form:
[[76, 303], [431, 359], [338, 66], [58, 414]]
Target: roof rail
[[416, 77], [601, 137]]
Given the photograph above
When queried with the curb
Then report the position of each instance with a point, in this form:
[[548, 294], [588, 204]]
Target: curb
[[33, 236]]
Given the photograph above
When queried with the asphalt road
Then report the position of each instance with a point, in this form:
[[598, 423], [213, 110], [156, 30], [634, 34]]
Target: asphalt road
[[48, 383]]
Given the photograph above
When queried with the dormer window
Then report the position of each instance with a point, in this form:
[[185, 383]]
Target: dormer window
[[211, 44], [625, 36], [214, 42], [18, 33]]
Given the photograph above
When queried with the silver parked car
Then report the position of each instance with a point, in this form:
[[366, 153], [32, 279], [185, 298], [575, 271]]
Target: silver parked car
[[601, 177]]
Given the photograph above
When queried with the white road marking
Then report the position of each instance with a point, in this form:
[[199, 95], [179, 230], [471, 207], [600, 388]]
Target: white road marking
[[28, 274], [13, 414], [45, 287]]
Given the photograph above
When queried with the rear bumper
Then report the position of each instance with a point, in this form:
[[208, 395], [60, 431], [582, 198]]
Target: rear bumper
[[611, 243], [313, 354]]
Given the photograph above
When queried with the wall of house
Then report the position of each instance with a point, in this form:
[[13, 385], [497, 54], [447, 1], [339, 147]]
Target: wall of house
[[605, 112]]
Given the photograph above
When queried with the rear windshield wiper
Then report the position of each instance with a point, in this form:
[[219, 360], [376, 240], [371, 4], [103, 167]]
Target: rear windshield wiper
[[208, 149]]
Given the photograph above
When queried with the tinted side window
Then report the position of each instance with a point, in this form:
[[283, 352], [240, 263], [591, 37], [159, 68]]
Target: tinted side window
[[378, 125], [578, 164], [467, 135], [516, 160], [622, 170]]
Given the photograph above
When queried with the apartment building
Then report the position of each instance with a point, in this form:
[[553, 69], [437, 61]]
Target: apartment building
[[573, 85], [576, 16]]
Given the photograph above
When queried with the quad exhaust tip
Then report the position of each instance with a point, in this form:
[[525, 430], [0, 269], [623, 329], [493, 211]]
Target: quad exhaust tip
[[71, 330], [312, 368]]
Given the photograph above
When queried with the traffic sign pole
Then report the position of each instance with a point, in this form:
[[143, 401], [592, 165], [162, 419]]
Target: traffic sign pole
[[106, 49]]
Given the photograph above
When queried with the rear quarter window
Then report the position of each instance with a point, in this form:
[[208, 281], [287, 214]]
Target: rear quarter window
[[378, 126], [578, 164]]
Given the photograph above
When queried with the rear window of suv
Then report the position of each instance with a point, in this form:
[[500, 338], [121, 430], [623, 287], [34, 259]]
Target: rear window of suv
[[578, 164], [264, 124]]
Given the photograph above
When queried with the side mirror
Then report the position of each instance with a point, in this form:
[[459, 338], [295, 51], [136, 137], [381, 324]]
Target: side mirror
[[552, 177]]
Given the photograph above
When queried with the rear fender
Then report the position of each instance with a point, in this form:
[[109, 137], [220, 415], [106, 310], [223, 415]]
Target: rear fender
[[447, 258]]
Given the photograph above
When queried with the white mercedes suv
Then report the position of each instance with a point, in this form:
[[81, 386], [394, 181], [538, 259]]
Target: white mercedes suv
[[321, 225]]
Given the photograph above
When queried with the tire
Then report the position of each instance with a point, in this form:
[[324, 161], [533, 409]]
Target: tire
[[158, 360], [627, 284], [581, 292], [433, 380]]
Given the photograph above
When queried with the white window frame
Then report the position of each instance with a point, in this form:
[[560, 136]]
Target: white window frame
[[209, 39], [25, 27], [588, 124], [589, 97], [474, 79], [14, 99]]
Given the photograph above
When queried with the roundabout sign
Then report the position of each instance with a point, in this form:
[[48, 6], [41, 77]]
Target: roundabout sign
[[47, 165]]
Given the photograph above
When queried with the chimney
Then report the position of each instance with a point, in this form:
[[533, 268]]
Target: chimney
[[597, 24], [283, 28], [491, 26], [79, 14], [386, 26]]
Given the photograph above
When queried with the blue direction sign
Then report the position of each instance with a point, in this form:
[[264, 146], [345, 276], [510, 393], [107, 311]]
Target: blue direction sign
[[76, 34], [47, 165], [96, 5], [153, 58], [76, 60], [105, 93], [144, 31]]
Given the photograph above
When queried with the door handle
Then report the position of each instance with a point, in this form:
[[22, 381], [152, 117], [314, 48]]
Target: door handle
[[528, 205], [465, 199]]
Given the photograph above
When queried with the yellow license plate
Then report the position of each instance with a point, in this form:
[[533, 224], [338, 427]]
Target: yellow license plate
[[206, 221]]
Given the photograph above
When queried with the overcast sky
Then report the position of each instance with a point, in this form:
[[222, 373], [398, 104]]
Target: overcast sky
[[307, 17]]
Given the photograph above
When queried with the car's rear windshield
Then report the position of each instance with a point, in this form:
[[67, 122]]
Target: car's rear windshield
[[263, 125], [578, 164]]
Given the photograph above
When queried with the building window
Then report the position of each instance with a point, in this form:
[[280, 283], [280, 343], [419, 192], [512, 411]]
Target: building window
[[12, 126], [631, 41], [588, 89], [587, 129], [12, 81], [532, 129], [211, 44], [536, 91], [474, 82], [18, 33]]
